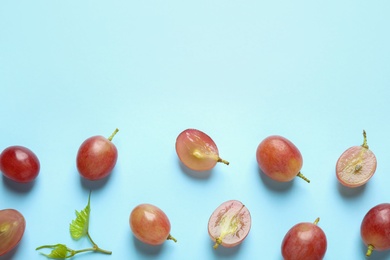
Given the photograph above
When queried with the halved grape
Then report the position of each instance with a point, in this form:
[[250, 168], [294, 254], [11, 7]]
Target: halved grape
[[12, 226], [197, 150], [375, 228], [229, 224], [356, 165]]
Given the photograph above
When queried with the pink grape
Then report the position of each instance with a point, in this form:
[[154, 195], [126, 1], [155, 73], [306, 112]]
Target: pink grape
[[279, 159], [197, 150], [150, 224], [12, 226], [375, 228], [356, 165], [97, 157], [229, 224], [304, 241]]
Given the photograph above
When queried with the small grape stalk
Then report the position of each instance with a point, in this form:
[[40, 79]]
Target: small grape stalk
[[79, 228]]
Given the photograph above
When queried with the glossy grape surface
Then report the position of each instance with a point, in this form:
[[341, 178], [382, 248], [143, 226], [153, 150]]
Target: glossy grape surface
[[12, 226], [229, 224], [19, 164], [375, 228], [150, 224], [304, 241], [356, 165], [279, 159], [197, 150], [96, 157]]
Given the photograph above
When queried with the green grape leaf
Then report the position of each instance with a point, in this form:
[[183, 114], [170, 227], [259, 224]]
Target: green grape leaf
[[60, 251], [79, 226]]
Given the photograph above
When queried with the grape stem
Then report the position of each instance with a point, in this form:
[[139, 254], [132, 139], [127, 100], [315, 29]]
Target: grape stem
[[300, 175], [370, 248], [171, 238], [365, 145], [113, 134], [316, 221], [223, 161]]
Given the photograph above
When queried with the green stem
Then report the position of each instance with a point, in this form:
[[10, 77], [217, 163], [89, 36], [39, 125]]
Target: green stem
[[171, 238], [113, 134], [300, 175], [370, 248], [316, 221], [96, 247], [365, 145], [223, 161]]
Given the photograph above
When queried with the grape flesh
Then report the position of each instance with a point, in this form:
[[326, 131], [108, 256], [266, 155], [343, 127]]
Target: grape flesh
[[375, 228], [197, 150], [356, 165], [279, 159], [12, 226], [150, 224], [19, 164], [96, 157], [304, 241], [229, 224]]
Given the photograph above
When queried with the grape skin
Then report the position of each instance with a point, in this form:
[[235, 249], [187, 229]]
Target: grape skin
[[19, 164], [375, 228]]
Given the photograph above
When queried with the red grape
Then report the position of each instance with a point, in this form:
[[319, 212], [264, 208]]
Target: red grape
[[304, 241], [356, 165], [375, 228], [150, 225], [12, 226], [279, 159], [229, 224], [97, 157], [197, 150], [19, 164]]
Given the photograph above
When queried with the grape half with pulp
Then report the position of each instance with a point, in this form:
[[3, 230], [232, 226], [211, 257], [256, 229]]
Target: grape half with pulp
[[279, 159], [197, 150], [229, 224], [304, 241], [375, 228], [97, 157], [150, 224], [356, 165], [19, 164], [12, 226]]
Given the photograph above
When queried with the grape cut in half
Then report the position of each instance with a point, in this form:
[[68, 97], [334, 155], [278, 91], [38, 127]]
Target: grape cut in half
[[197, 150], [356, 165], [12, 226], [375, 228], [229, 224]]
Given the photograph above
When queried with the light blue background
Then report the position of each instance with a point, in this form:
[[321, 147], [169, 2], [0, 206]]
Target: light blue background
[[316, 72]]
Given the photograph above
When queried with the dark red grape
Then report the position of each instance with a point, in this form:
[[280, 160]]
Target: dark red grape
[[19, 164], [375, 228]]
